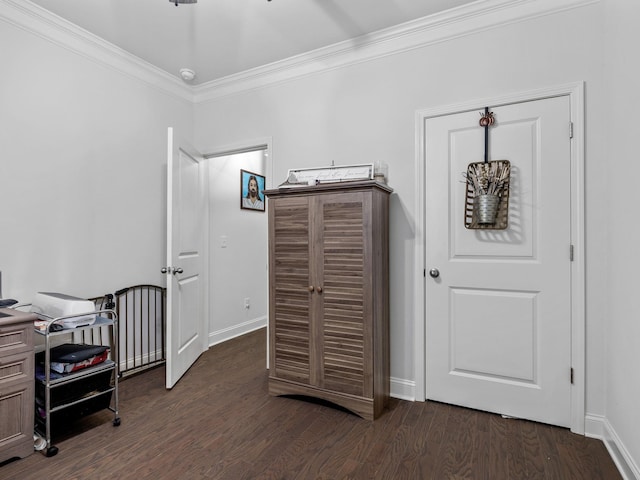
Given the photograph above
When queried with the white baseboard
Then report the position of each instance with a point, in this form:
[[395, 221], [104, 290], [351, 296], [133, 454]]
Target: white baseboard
[[403, 389], [597, 426], [594, 426], [620, 455], [237, 330]]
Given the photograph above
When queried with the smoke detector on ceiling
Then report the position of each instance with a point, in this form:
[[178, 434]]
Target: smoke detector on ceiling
[[187, 74], [177, 2]]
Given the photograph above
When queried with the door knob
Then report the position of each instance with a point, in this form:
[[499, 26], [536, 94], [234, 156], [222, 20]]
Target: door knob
[[434, 272], [165, 270], [177, 270], [319, 289]]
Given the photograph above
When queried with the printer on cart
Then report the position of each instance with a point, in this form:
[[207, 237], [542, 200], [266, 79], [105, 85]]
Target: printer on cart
[[50, 306]]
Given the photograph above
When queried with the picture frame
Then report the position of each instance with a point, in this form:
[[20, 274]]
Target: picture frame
[[251, 199]]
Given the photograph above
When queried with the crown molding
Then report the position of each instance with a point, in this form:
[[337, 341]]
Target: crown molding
[[36, 20], [456, 22]]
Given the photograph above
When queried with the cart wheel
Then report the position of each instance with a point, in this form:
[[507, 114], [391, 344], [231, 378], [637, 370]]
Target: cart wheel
[[116, 422], [51, 451]]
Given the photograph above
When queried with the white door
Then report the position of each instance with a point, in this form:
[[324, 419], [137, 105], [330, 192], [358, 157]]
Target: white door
[[186, 333], [499, 314]]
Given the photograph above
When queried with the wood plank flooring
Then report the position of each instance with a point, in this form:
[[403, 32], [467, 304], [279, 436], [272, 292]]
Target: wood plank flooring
[[218, 422]]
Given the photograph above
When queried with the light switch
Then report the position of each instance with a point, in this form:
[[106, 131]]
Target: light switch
[[223, 241]]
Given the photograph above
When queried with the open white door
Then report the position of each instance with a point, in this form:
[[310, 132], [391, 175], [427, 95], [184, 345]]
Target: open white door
[[186, 333]]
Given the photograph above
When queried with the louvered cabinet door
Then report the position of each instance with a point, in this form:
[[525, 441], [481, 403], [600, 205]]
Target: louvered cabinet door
[[289, 296], [344, 313]]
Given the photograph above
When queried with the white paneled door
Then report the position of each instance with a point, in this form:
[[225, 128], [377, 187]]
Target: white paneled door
[[498, 331], [186, 333]]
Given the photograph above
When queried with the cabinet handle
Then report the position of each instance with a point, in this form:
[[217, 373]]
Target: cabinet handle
[[311, 288], [319, 289]]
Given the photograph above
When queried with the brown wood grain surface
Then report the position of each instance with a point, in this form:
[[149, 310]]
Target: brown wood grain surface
[[329, 294], [219, 422]]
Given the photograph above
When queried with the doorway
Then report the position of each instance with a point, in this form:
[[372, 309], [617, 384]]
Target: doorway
[[482, 344], [196, 317], [238, 286]]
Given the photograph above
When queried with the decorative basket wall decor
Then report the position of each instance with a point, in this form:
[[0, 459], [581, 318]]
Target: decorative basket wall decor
[[487, 194]]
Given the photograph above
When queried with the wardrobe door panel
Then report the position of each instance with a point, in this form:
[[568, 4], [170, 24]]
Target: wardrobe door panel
[[343, 310], [289, 289]]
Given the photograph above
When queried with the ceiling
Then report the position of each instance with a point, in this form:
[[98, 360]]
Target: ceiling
[[217, 38]]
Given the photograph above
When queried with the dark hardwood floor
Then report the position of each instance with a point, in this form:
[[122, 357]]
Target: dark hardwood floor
[[219, 422]]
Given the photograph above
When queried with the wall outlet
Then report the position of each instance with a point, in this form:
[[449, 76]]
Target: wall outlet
[[247, 302]]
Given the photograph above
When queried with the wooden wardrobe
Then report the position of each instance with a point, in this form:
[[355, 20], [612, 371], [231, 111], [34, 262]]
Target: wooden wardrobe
[[329, 294]]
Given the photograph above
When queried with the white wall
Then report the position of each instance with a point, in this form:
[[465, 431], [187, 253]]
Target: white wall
[[83, 171], [365, 112], [621, 163], [83, 164], [237, 270]]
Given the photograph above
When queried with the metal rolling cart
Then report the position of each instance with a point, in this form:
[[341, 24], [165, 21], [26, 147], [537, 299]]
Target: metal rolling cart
[[78, 393]]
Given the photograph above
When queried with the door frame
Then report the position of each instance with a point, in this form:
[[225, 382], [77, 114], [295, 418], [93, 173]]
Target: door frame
[[245, 146], [575, 91]]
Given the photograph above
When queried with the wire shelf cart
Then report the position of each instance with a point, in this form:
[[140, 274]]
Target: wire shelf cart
[[67, 396]]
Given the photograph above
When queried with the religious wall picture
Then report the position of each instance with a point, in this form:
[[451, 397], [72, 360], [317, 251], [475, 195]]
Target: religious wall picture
[[251, 191]]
